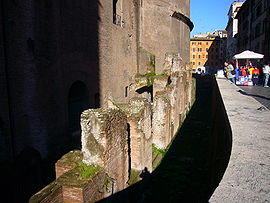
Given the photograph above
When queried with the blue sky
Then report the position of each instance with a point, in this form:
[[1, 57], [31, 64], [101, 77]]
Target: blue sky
[[209, 15]]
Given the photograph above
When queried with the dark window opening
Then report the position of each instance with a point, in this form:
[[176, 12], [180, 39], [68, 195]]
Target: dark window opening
[[126, 91]]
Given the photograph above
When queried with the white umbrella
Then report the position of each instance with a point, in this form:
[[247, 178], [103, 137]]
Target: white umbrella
[[248, 55]]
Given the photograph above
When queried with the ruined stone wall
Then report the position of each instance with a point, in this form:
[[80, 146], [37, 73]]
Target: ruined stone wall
[[172, 100], [101, 169], [54, 44]]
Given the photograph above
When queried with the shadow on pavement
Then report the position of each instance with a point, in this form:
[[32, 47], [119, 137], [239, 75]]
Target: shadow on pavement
[[253, 95]]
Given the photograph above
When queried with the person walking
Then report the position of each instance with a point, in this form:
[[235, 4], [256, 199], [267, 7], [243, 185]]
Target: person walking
[[230, 73], [266, 72]]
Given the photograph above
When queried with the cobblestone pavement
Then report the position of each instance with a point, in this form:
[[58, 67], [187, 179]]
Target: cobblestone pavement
[[260, 93]]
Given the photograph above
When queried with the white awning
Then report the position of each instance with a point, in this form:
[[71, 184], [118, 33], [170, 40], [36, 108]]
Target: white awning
[[248, 55]]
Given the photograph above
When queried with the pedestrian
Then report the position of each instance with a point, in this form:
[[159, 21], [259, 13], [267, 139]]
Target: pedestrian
[[250, 72], [230, 72], [255, 76], [266, 71], [237, 73], [243, 71]]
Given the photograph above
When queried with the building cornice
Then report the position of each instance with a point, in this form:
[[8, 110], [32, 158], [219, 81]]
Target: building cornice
[[181, 17]]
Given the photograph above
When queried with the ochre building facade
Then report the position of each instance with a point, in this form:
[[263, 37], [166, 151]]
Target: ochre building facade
[[208, 51]]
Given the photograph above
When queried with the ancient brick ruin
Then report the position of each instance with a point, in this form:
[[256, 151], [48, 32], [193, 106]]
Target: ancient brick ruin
[[120, 139], [126, 62]]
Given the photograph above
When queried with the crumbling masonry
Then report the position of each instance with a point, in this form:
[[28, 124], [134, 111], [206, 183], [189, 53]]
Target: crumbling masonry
[[113, 138], [135, 67]]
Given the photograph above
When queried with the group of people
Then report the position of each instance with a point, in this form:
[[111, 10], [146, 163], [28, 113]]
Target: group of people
[[248, 74]]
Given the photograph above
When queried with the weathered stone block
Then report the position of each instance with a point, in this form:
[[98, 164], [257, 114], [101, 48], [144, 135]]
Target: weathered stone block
[[160, 83], [161, 120], [80, 183], [52, 193], [174, 97], [146, 62], [68, 162], [172, 63], [105, 143], [86, 191], [143, 81], [139, 113]]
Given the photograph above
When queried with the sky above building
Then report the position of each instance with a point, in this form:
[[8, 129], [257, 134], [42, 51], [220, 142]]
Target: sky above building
[[209, 15]]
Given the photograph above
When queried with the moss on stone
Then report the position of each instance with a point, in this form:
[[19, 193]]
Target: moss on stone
[[134, 176], [122, 106], [147, 79], [157, 158], [45, 192], [79, 176], [72, 178], [107, 182], [159, 151], [72, 158], [152, 75], [157, 155], [87, 171], [141, 81]]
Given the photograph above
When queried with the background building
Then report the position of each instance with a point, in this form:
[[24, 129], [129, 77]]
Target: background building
[[232, 30], [208, 50], [253, 27]]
